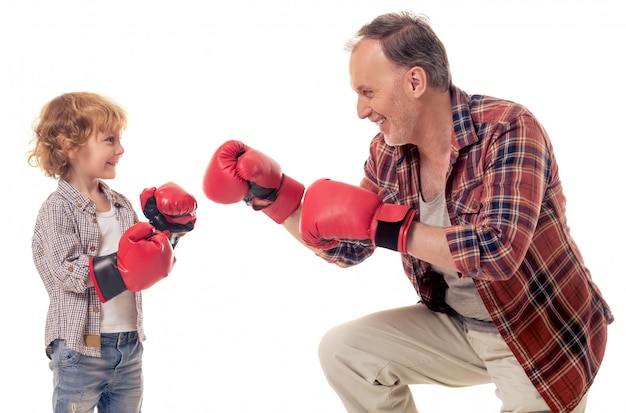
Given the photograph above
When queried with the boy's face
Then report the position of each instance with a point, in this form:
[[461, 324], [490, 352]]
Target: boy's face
[[98, 158]]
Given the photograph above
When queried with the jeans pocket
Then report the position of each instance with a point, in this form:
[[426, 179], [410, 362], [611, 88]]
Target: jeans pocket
[[62, 356]]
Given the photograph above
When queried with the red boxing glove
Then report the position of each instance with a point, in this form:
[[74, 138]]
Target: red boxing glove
[[169, 208], [144, 257], [237, 172], [334, 211]]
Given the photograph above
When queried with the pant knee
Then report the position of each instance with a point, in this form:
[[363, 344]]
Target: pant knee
[[331, 347]]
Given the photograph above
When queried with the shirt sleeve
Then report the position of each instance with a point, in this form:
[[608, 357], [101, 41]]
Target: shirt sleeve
[[516, 163], [57, 251]]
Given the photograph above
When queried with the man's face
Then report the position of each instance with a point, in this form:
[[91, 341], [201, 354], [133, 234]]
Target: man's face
[[382, 88]]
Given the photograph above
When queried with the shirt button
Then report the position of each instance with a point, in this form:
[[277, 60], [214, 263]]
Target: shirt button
[[70, 268], [94, 220], [90, 204], [96, 309], [79, 205], [92, 248]]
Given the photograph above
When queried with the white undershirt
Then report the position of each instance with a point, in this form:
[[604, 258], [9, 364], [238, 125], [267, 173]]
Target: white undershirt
[[119, 314]]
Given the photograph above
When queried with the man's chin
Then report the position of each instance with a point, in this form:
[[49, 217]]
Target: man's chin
[[390, 141]]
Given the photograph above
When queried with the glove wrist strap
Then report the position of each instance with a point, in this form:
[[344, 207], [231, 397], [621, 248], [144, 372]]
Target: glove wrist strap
[[393, 226]]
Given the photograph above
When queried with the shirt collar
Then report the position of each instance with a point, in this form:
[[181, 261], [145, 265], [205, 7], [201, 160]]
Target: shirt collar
[[462, 119], [73, 195]]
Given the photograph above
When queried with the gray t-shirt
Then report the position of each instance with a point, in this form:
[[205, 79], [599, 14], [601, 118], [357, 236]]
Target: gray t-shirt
[[461, 295]]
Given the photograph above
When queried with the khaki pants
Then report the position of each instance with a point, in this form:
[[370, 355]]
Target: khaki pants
[[370, 362]]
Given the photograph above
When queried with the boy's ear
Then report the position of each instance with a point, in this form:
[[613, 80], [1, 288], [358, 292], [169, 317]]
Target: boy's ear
[[69, 150]]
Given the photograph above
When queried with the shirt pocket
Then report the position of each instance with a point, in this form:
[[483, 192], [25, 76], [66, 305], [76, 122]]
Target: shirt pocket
[[467, 205]]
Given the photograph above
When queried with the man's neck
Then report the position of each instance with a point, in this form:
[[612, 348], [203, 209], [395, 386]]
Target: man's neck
[[437, 128]]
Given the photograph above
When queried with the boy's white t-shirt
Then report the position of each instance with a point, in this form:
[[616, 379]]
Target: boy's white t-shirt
[[118, 314]]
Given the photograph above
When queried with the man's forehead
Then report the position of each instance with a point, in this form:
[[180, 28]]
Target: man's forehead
[[367, 47], [368, 61]]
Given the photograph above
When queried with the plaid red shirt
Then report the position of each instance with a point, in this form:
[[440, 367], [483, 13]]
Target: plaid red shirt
[[509, 233]]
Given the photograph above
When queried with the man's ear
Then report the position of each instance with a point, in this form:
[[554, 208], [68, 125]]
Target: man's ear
[[418, 81]]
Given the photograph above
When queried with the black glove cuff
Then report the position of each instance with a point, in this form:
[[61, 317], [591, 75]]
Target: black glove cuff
[[107, 278]]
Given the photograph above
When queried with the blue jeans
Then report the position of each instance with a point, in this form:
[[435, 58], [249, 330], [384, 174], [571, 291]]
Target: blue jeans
[[113, 382]]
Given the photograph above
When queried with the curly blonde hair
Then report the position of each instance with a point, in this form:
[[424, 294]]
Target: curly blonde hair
[[65, 123]]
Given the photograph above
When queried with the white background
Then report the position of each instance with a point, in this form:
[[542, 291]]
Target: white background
[[235, 327]]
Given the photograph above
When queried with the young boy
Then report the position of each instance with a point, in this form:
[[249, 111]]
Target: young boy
[[94, 257]]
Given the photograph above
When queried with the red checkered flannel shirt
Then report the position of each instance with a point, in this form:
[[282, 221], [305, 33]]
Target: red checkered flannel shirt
[[508, 233]]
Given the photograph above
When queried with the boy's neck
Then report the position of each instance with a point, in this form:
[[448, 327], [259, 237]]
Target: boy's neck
[[92, 190]]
